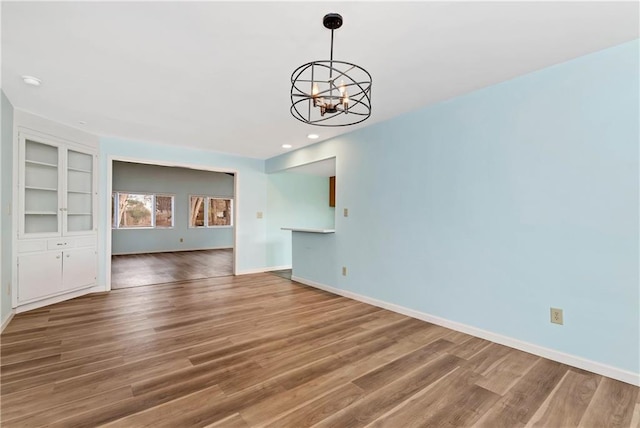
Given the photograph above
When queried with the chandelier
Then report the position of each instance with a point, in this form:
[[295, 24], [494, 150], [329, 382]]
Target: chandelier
[[331, 93]]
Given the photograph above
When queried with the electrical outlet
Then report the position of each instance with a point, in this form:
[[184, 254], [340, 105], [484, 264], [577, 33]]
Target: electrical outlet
[[344, 271], [9, 289], [556, 316], [259, 214], [346, 212]]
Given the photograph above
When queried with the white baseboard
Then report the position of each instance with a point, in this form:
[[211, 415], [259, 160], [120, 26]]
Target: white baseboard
[[6, 322], [551, 354], [272, 268], [172, 251], [55, 299], [261, 270]]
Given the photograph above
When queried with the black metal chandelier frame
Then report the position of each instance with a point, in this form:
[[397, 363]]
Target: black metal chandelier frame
[[342, 104]]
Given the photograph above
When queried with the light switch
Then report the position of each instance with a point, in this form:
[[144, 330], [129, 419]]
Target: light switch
[[259, 214], [346, 212]]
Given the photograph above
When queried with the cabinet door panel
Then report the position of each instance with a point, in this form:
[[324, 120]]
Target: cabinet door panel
[[79, 268], [41, 176], [41, 152], [40, 223], [39, 193], [80, 196], [39, 275]]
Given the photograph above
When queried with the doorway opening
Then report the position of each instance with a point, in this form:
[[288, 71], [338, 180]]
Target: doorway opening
[[170, 223]]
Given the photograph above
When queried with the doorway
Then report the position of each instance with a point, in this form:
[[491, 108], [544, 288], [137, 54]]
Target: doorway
[[170, 223]]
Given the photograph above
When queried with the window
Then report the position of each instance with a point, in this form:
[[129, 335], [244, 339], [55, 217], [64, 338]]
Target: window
[[164, 211], [141, 210], [219, 212], [207, 211], [196, 211]]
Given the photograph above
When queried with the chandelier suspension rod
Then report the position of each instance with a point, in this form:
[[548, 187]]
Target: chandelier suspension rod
[[331, 85], [331, 57]]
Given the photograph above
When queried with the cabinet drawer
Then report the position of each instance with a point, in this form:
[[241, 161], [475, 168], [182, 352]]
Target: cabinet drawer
[[31, 246], [88, 241], [59, 244]]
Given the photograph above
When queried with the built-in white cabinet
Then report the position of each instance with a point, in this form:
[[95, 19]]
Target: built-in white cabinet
[[57, 198], [55, 272]]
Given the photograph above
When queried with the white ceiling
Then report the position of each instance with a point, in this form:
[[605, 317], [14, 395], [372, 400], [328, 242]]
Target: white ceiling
[[216, 75]]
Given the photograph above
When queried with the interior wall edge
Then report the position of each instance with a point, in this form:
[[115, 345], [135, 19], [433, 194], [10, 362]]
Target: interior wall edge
[[6, 322]]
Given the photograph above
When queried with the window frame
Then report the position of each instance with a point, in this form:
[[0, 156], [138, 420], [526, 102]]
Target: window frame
[[115, 196], [207, 205]]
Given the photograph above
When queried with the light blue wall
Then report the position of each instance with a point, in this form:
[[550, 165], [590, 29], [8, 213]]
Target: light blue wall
[[251, 193], [490, 208], [294, 200], [311, 258], [181, 182], [6, 169]]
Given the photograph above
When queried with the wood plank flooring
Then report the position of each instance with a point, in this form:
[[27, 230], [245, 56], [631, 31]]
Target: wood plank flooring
[[263, 351], [134, 270]]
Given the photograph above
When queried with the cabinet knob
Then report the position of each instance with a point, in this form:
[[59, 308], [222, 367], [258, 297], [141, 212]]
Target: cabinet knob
[[58, 256], [68, 256]]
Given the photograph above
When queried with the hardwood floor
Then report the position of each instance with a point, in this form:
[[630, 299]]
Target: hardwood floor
[[285, 273], [134, 270], [260, 350]]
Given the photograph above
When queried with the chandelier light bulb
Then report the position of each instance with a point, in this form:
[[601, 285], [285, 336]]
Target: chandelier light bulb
[[342, 88], [314, 93]]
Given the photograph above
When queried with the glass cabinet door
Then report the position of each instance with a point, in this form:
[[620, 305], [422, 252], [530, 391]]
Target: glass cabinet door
[[79, 206], [41, 188]]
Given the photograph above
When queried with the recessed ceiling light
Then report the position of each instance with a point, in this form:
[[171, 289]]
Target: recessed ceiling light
[[286, 146], [30, 80], [313, 136]]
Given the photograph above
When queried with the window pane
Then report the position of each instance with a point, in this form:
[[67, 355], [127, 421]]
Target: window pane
[[134, 210], [164, 214], [219, 212], [196, 211]]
